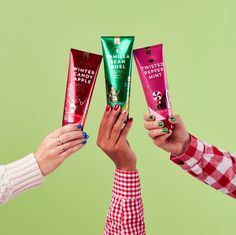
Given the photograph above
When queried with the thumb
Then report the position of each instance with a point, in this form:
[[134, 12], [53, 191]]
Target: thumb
[[126, 129]]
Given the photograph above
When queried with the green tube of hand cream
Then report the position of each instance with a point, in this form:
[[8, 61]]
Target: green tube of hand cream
[[118, 54]]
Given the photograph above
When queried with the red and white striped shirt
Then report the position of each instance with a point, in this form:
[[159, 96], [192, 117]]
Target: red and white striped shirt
[[209, 164], [125, 215]]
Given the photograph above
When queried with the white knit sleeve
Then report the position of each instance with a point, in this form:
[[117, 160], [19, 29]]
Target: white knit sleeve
[[18, 177]]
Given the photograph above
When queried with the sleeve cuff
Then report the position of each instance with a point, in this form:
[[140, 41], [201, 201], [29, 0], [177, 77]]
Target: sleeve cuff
[[126, 184], [23, 175], [193, 154]]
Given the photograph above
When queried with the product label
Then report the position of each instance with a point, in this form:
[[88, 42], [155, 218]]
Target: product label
[[118, 61], [155, 70], [83, 75]]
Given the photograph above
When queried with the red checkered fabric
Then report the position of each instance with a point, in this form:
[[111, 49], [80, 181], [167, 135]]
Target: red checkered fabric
[[125, 215], [209, 164]]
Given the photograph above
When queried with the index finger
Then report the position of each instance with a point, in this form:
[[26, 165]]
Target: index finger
[[104, 118], [65, 129]]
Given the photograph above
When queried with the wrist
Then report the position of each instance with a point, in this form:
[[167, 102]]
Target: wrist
[[39, 162], [185, 145], [126, 167]]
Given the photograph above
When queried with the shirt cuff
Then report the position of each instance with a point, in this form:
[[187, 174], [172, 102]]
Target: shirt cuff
[[192, 156], [126, 184], [23, 175]]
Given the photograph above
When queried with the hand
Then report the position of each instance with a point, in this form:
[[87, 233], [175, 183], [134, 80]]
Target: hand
[[175, 141], [112, 138], [59, 145]]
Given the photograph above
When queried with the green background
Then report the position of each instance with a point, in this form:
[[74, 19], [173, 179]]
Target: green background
[[199, 38]]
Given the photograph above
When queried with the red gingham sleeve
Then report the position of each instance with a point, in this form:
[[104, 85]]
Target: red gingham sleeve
[[125, 215], [209, 164]]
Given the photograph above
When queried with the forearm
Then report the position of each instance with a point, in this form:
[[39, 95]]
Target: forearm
[[209, 164], [125, 215], [18, 177]]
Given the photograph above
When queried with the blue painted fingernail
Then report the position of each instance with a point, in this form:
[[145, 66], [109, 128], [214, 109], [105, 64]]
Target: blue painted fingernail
[[84, 134], [84, 142], [79, 126], [86, 137]]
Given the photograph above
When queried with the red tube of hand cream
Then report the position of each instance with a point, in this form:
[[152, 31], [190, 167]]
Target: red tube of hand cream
[[82, 74]]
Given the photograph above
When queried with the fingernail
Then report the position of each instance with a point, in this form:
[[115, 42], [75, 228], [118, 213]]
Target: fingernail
[[150, 117], [84, 134], [116, 107], [108, 107], [79, 126], [125, 112], [173, 119], [84, 142], [164, 130], [86, 137], [160, 123]]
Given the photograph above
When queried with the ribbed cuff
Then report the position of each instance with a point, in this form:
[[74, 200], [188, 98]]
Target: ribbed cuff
[[126, 184], [193, 154], [23, 175]]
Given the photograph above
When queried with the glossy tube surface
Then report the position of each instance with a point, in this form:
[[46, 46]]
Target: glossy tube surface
[[118, 53], [82, 74], [151, 68]]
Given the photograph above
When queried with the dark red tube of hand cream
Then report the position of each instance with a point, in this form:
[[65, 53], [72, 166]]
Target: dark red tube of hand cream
[[82, 74]]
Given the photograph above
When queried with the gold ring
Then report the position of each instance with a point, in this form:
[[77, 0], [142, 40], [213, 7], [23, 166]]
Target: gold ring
[[59, 141]]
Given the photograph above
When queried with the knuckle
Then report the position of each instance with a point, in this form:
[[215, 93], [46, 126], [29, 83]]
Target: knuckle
[[115, 129], [71, 150], [67, 145], [145, 125], [64, 137], [156, 143], [101, 145], [98, 142], [69, 127], [78, 134], [150, 134]]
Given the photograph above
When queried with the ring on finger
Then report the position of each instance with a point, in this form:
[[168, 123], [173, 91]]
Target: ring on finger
[[59, 141]]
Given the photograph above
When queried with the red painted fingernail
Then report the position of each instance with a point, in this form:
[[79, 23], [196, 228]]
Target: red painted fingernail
[[116, 107], [108, 107]]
